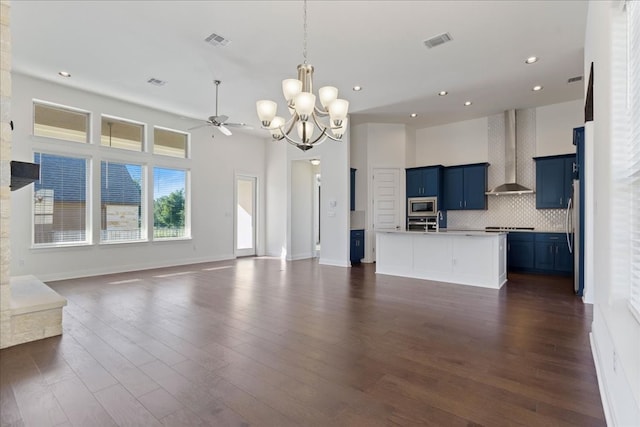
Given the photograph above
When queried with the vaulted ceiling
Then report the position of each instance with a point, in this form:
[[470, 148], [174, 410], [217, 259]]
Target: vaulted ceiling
[[115, 47]]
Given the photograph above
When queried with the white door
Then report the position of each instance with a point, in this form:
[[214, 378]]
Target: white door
[[245, 215], [386, 202]]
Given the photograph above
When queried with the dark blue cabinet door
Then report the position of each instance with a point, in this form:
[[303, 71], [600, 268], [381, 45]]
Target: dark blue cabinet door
[[475, 186], [545, 255], [550, 183], [453, 188], [430, 180], [414, 182], [353, 189], [520, 254], [564, 258], [357, 246]]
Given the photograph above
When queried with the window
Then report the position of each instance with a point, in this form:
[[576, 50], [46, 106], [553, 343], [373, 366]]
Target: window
[[121, 208], [118, 133], [170, 143], [60, 200], [60, 123], [169, 203]]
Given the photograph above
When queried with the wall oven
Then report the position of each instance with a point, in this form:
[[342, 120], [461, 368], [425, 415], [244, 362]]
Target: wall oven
[[422, 206]]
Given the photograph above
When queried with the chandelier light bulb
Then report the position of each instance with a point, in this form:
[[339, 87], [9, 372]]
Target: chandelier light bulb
[[305, 131], [266, 111], [338, 131], [327, 94], [291, 88], [304, 104], [276, 127], [338, 110]]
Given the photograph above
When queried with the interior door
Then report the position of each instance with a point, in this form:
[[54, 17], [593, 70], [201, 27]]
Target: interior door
[[386, 201], [245, 215]]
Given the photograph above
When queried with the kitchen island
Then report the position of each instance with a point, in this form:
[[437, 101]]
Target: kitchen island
[[474, 258]]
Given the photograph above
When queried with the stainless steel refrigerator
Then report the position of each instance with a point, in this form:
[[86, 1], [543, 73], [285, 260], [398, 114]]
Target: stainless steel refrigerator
[[575, 214]]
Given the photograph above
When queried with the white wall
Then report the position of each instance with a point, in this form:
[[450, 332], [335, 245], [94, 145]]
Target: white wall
[[213, 165], [334, 220], [615, 332], [301, 224], [554, 127], [453, 144]]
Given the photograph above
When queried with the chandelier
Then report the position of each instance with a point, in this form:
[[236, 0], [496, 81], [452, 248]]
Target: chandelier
[[305, 115]]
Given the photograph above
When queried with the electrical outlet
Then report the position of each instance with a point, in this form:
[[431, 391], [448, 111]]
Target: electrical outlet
[[21, 263], [615, 361]]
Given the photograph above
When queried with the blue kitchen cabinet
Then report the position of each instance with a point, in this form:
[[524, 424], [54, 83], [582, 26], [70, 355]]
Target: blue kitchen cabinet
[[357, 246], [465, 187], [552, 253], [554, 179], [353, 189], [520, 254], [424, 181]]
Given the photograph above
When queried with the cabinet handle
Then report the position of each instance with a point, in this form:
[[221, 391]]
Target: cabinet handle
[[556, 250], [465, 203], [551, 250], [561, 204], [460, 203], [508, 247]]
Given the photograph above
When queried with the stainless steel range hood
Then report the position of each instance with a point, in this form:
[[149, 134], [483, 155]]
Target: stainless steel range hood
[[510, 160]]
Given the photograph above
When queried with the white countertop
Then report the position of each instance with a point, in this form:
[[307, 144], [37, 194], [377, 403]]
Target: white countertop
[[445, 232]]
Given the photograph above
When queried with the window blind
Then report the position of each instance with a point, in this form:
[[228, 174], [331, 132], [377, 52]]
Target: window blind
[[633, 28], [169, 202], [120, 202]]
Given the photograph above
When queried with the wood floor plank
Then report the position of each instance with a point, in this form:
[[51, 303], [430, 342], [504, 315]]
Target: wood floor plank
[[261, 342], [79, 404], [124, 408]]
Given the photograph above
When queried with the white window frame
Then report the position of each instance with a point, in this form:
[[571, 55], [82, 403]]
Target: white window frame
[[88, 114], [143, 143], [187, 203], [187, 148], [144, 229], [88, 209]]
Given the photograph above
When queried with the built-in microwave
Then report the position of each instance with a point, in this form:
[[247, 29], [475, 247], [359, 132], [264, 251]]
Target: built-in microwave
[[422, 206]]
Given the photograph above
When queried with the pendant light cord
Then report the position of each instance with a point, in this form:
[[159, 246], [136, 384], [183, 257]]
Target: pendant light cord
[[304, 45]]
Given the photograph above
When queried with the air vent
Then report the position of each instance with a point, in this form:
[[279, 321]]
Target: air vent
[[217, 40], [438, 40], [156, 82], [575, 79]]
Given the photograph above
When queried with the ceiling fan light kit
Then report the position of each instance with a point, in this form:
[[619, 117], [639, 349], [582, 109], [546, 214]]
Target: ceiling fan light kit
[[305, 114]]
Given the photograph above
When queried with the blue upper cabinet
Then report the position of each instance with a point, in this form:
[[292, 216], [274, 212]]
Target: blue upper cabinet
[[465, 187], [554, 180], [424, 181]]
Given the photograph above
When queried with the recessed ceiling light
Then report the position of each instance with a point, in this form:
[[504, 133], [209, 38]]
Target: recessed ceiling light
[[531, 60], [443, 93], [315, 162], [357, 88], [466, 104], [64, 74], [413, 115], [536, 88]]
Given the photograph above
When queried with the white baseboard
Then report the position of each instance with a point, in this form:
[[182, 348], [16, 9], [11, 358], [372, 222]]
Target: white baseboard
[[604, 395], [334, 262]]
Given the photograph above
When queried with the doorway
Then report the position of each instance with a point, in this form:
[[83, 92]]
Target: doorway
[[245, 215]]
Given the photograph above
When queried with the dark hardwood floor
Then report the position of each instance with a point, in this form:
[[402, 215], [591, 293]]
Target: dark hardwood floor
[[258, 341]]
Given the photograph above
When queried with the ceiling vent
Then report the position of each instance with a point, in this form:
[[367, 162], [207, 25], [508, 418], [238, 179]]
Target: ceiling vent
[[156, 82], [217, 40], [438, 40], [575, 79]]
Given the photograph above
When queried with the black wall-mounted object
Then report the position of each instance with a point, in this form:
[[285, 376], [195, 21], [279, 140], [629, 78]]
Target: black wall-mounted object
[[588, 104], [23, 173]]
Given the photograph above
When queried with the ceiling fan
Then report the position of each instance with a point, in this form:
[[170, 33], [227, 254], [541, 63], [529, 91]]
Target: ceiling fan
[[220, 122]]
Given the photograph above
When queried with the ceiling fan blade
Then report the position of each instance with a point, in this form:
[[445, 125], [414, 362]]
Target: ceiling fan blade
[[224, 130], [200, 126], [238, 125]]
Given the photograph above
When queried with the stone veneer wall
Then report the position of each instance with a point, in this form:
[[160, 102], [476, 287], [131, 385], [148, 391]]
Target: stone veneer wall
[[5, 173]]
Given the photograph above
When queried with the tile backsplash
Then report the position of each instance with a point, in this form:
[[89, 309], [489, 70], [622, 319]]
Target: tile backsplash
[[511, 210]]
